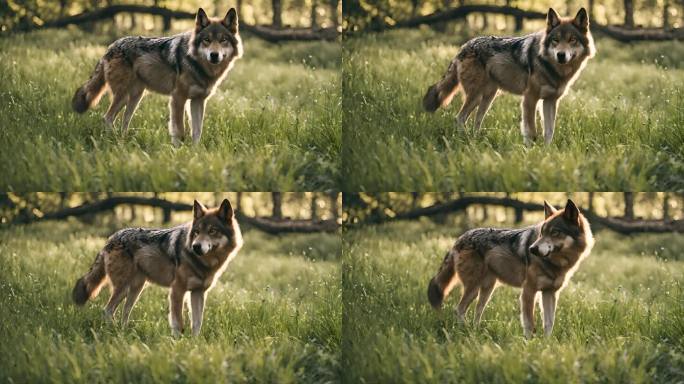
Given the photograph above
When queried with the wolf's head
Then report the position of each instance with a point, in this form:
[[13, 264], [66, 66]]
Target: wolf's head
[[216, 40], [567, 40], [561, 230], [214, 230]]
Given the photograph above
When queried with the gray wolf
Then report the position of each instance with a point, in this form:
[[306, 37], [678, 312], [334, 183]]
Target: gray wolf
[[188, 66], [186, 258], [539, 66], [540, 258]]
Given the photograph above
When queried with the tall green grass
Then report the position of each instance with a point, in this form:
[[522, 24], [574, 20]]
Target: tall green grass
[[621, 127], [619, 320], [274, 123], [274, 316]]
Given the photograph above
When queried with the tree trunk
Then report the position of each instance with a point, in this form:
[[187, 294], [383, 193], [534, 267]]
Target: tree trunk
[[590, 205], [333, 205], [238, 202], [277, 198], [629, 13], [277, 7], [666, 14], [519, 215], [314, 14], [333, 12], [591, 10], [629, 205], [414, 7], [314, 206], [666, 206]]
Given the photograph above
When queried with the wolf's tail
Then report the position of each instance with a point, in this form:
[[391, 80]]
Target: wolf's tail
[[441, 93], [89, 94], [89, 285], [444, 281]]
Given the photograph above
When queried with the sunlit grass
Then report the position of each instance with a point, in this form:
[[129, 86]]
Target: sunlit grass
[[621, 127], [274, 123], [274, 316], [619, 320]]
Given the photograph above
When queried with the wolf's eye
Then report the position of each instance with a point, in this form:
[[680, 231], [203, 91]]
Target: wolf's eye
[[224, 40], [572, 40], [195, 232], [555, 232], [205, 40], [213, 232]]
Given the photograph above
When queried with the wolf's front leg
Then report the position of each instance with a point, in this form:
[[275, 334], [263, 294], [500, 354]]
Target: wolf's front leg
[[197, 305], [176, 108], [196, 117], [549, 114], [176, 311], [549, 306], [529, 131], [527, 311]]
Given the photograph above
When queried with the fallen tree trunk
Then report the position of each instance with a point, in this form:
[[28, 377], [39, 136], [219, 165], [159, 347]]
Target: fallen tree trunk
[[620, 33], [264, 224], [616, 224], [267, 33]]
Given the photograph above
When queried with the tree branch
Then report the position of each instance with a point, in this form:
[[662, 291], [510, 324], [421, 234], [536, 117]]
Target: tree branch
[[616, 224], [267, 33], [262, 223], [616, 32]]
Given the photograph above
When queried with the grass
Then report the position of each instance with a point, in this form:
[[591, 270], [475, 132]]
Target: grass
[[620, 128], [274, 316], [619, 320], [274, 123]]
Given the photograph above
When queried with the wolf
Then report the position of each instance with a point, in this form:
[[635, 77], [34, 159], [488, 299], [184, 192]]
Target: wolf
[[540, 258], [188, 258], [188, 66], [539, 66]]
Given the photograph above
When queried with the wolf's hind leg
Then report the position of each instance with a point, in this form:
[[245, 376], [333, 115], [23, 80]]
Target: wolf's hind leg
[[469, 294], [471, 101], [118, 292], [134, 97], [486, 101], [118, 101], [134, 290], [486, 289]]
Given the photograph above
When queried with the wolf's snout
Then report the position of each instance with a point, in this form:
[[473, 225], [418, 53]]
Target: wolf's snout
[[197, 248], [214, 57], [562, 58], [534, 250]]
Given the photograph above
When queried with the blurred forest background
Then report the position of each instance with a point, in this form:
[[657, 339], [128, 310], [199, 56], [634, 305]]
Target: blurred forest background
[[272, 212], [160, 14], [623, 212]]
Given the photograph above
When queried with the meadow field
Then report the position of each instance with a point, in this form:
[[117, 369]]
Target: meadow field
[[619, 320], [274, 316], [621, 127], [274, 123]]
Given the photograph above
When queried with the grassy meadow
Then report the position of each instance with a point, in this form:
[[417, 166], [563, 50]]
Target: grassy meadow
[[621, 127], [273, 124], [274, 316], [620, 319]]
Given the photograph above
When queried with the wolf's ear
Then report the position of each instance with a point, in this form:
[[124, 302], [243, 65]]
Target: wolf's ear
[[552, 20], [198, 210], [548, 209], [225, 211], [571, 212], [231, 21], [201, 20], [581, 20]]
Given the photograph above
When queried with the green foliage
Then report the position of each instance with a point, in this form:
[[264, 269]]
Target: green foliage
[[274, 316], [619, 320], [621, 127], [274, 124]]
